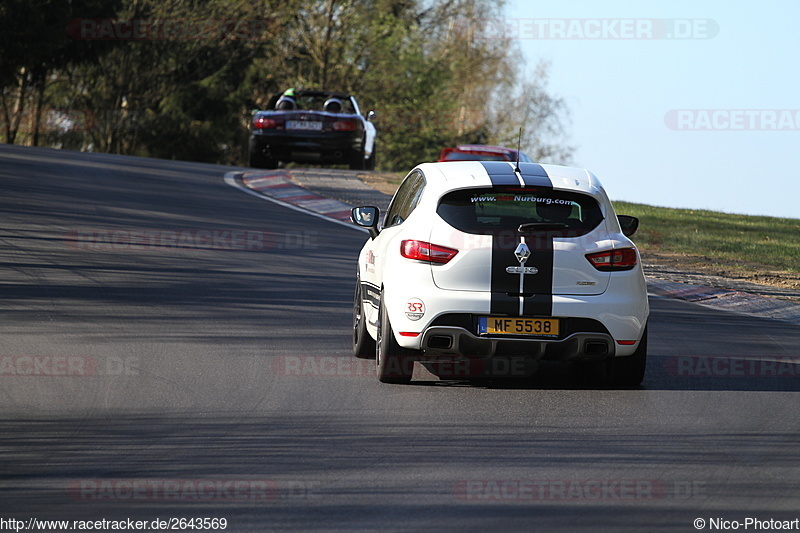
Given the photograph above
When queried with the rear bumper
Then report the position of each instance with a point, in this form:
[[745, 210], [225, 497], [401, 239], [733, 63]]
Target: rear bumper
[[470, 356], [438, 341], [619, 314], [605, 319], [324, 147]]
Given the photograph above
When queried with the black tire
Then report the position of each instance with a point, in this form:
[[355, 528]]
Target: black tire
[[357, 161], [363, 344], [270, 163], [629, 371], [257, 159], [370, 164], [394, 364]]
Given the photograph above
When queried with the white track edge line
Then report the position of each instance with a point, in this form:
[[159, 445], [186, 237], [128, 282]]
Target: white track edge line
[[230, 179]]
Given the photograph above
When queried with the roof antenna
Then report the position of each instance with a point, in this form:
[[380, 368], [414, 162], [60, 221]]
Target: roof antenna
[[519, 146]]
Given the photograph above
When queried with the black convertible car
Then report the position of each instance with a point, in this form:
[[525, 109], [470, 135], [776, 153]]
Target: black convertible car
[[312, 127]]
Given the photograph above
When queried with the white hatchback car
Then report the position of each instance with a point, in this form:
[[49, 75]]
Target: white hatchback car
[[486, 268]]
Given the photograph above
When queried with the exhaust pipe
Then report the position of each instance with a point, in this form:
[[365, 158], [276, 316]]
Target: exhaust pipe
[[595, 348], [440, 342]]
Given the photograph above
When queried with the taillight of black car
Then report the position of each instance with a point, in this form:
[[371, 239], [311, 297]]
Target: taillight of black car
[[614, 260], [348, 124], [267, 123]]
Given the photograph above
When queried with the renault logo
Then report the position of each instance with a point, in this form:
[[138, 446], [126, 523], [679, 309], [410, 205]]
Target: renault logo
[[522, 252]]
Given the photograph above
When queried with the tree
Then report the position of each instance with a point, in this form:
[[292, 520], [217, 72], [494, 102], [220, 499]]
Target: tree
[[183, 84], [35, 44]]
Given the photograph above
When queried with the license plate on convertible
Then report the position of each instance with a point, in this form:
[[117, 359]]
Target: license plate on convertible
[[504, 325], [306, 125]]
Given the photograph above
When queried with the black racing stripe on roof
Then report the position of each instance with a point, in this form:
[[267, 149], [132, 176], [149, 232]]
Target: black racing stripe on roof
[[500, 172], [505, 286], [534, 175]]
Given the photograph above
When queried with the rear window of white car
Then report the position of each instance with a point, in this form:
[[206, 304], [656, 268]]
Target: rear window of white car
[[489, 210]]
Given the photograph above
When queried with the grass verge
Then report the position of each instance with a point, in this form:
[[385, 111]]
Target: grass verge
[[763, 242]]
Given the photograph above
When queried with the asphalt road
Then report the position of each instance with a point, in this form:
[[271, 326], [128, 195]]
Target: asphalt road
[[172, 347]]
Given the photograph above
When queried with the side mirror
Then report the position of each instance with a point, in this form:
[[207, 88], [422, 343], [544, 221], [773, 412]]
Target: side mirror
[[371, 116], [366, 217], [628, 224]]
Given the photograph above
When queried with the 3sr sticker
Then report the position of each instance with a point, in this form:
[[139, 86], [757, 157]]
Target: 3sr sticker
[[415, 308]]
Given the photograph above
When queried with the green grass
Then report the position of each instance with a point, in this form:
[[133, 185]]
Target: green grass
[[771, 242]]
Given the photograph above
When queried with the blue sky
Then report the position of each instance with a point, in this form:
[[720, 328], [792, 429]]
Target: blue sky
[[620, 92]]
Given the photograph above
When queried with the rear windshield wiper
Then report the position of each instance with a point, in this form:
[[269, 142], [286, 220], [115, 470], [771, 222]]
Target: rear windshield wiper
[[532, 227]]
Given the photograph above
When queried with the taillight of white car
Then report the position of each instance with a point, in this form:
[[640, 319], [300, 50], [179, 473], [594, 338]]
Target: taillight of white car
[[614, 260], [425, 251]]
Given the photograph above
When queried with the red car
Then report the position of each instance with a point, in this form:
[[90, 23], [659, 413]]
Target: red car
[[481, 152]]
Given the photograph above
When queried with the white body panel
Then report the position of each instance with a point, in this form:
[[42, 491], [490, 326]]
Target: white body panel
[[370, 133], [572, 273], [617, 300]]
